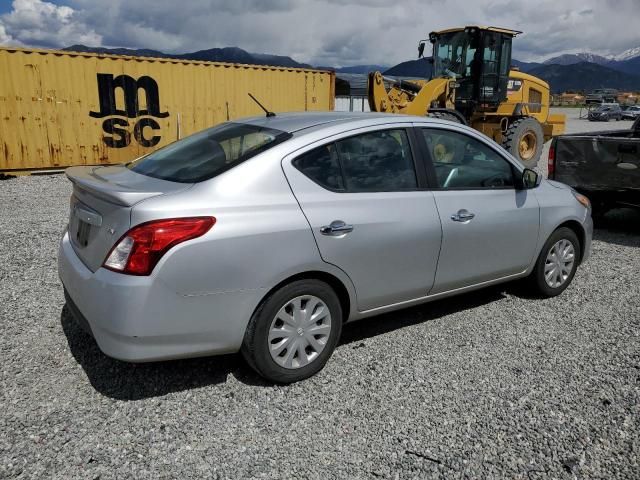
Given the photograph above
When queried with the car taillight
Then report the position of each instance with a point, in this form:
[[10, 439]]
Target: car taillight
[[551, 165], [140, 249]]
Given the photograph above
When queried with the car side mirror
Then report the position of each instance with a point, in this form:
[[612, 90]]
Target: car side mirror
[[530, 179]]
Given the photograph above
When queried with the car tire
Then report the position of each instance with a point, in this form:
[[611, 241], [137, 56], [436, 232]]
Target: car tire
[[282, 339], [565, 242]]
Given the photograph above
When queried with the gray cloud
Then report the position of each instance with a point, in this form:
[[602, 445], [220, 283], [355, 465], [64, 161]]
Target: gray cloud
[[552, 27], [6, 39], [322, 32], [34, 22]]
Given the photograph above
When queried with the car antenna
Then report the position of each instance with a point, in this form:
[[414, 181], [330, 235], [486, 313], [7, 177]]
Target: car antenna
[[269, 114]]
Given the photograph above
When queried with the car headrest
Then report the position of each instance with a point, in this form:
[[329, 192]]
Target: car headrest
[[388, 146]]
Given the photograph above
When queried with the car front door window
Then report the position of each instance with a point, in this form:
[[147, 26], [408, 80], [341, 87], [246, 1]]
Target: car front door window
[[464, 162]]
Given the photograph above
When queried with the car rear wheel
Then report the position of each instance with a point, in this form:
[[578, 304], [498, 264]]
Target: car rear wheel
[[557, 263], [293, 333]]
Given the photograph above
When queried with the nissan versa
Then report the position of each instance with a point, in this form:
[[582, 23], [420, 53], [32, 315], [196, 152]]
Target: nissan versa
[[265, 235]]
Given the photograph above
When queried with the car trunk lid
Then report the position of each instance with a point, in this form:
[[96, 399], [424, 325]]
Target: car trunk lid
[[101, 204]]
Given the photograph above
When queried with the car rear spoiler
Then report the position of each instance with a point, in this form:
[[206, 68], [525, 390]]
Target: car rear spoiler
[[119, 185]]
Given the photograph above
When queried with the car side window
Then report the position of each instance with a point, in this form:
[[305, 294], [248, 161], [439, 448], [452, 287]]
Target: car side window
[[463, 162], [321, 165], [377, 162], [372, 162]]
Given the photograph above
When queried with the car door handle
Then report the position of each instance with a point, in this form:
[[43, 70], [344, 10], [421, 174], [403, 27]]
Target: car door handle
[[336, 228], [462, 216]]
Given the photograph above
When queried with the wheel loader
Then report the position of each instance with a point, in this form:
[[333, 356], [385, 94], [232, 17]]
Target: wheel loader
[[473, 83]]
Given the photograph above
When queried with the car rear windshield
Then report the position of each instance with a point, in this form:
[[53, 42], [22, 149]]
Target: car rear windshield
[[208, 153]]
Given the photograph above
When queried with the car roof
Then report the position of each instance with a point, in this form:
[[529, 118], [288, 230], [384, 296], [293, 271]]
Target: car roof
[[296, 121]]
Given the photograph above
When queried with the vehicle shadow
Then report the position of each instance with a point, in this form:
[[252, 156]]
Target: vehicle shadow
[[131, 381], [620, 226], [388, 322], [135, 381]]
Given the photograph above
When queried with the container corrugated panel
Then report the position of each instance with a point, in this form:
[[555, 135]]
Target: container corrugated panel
[[63, 108]]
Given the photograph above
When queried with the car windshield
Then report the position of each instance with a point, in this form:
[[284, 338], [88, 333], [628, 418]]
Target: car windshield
[[453, 55], [208, 153]]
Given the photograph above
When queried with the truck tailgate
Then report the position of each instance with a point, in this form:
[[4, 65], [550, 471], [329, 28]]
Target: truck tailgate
[[598, 162]]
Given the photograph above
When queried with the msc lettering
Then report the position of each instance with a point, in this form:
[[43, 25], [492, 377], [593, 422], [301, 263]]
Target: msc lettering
[[117, 129]]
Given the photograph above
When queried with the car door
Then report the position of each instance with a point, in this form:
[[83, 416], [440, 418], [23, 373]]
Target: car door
[[489, 227], [370, 212]]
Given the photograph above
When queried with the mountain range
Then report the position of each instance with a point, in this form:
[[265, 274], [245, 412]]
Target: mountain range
[[227, 54], [585, 71], [567, 72]]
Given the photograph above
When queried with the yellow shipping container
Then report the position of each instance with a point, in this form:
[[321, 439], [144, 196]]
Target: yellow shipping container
[[61, 108]]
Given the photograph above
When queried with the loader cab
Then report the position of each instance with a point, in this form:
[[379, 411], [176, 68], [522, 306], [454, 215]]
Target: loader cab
[[478, 59]]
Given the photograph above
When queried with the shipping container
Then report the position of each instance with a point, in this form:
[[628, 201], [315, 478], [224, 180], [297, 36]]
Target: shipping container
[[60, 108]]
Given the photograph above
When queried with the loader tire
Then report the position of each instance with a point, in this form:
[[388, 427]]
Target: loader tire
[[524, 139], [444, 116]]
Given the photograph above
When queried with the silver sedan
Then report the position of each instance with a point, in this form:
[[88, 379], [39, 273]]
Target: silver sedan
[[266, 235]]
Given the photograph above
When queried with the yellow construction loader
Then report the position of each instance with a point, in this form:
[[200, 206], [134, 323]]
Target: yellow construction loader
[[473, 83]]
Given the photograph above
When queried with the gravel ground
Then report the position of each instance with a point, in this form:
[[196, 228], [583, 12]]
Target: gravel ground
[[491, 384]]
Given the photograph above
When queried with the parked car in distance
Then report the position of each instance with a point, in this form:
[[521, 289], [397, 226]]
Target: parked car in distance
[[602, 95], [265, 235], [605, 112], [631, 112]]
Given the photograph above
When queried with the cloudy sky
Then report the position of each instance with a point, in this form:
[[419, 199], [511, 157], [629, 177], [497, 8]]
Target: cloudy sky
[[320, 32]]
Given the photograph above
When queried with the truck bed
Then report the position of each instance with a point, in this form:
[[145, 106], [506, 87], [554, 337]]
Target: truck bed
[[599, 163]]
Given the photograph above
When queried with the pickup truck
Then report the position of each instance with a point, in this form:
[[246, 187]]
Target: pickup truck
[[604, 166], [601, 95]]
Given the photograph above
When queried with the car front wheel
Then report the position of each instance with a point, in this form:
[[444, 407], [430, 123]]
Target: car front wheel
[[293, 333], [557, 263]]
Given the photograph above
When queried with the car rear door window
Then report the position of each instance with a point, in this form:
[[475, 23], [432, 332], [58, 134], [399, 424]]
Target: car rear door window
[[208, 153], [462, 162], [378, 161], [322, 166]]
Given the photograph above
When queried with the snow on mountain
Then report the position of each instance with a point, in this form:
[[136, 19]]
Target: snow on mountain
[[571, 58], [592, 57], [627, 54]]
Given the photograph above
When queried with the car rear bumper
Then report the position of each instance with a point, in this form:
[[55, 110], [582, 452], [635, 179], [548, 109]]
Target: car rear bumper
[[139, 319]]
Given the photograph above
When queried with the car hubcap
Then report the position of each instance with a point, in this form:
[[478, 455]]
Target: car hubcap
[[559, 263], [299, 332]]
